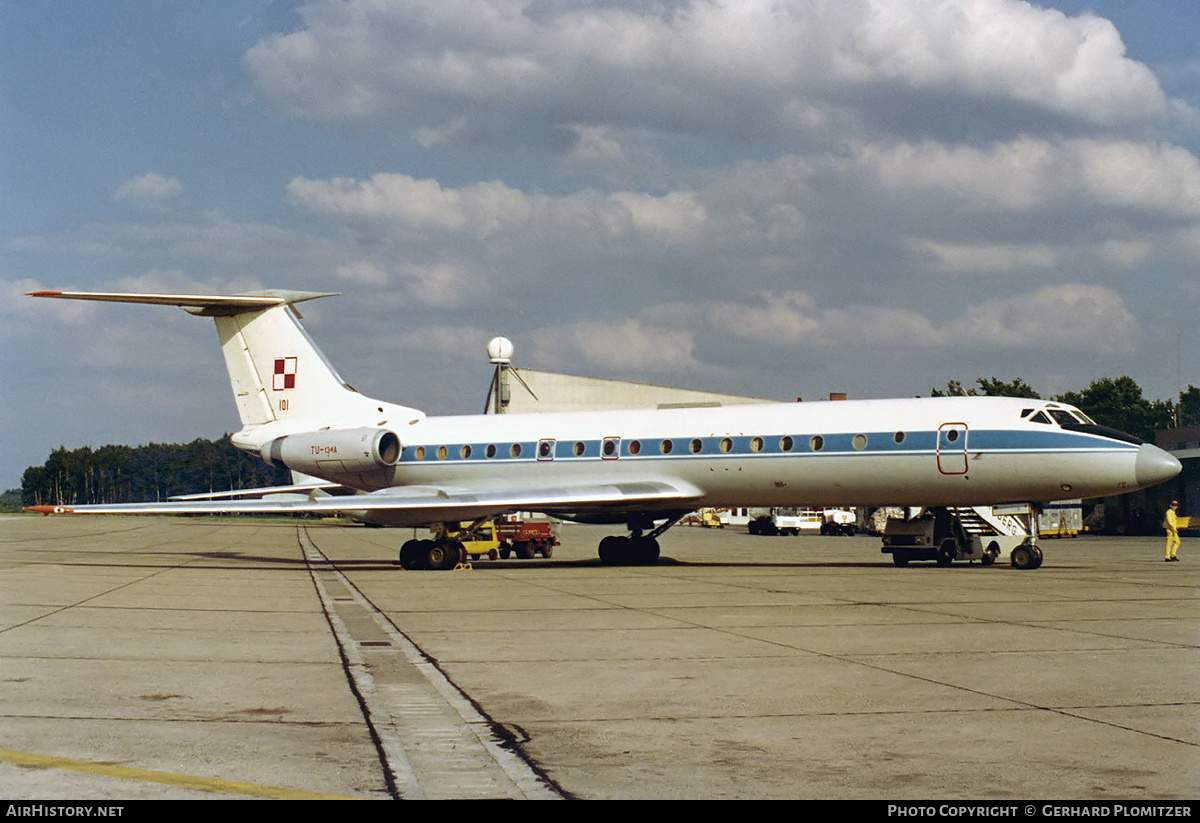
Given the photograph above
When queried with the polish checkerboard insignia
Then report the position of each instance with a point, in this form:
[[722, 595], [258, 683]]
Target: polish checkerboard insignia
[[285, 373]]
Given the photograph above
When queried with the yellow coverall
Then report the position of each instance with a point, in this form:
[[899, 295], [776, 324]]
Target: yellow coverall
[[1171, 524]]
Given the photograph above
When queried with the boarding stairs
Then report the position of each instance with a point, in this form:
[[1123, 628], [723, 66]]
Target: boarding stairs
[[982, 521]]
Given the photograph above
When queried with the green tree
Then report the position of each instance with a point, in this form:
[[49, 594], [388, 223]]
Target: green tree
[[1118, 403], [1189, 407], [988, 387], [125, 474]]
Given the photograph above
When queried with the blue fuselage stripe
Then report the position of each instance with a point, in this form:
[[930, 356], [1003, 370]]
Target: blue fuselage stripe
[[976, 441]]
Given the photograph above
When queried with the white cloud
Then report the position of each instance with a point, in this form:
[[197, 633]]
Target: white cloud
[[482, 210], [1074, 317], [149, 189], [983, 258], [1068, 317], [1029, 173], [478, 210], [1072, 65], [622, 346], [449, 69]]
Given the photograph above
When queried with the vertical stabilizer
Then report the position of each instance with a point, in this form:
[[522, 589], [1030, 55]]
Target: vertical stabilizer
[[276, 371]]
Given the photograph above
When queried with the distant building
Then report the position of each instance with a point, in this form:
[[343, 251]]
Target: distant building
[[1184, 444], [530, 390]]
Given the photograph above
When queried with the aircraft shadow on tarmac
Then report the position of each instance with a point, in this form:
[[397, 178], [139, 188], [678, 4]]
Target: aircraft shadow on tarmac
[[378, 564]]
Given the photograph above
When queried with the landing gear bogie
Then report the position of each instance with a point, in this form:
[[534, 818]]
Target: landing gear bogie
[[440, 555]]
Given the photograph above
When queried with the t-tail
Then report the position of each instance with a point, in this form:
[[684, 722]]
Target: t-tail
[[282, 384]]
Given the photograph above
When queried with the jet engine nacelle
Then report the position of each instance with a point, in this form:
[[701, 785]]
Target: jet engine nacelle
[[335, 451]]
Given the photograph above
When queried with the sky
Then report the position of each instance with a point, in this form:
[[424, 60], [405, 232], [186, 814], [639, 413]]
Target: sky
[[780, 199]]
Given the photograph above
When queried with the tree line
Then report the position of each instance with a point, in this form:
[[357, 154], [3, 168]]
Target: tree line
[[134, 474]]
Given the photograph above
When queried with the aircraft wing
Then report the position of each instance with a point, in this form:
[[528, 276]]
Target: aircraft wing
[[419, 505]]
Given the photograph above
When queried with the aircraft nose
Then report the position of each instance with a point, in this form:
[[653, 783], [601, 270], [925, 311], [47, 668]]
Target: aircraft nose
[[1153, 466]]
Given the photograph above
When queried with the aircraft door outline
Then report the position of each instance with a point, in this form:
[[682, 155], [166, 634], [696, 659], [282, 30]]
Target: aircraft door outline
[[952, 448]]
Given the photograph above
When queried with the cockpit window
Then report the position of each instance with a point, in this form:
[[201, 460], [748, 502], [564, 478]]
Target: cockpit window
[[1040, 417], [1062, 417]]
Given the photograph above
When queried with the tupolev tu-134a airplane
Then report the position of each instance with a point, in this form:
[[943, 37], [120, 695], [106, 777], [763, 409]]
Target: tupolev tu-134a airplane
[[644, 468]]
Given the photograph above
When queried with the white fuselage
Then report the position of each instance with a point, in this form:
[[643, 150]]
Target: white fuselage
[[915, 452]]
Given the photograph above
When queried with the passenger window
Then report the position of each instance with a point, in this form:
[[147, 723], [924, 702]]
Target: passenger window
[[666, 446], [816, 443], [785, 444]]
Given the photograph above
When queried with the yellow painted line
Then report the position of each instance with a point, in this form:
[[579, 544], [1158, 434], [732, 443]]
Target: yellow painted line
[[204, 784]]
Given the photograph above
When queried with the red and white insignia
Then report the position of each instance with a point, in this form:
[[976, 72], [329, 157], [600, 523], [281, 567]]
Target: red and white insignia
[[285, 373]]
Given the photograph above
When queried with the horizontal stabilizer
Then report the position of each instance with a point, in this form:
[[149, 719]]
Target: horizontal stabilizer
[[206, 305]]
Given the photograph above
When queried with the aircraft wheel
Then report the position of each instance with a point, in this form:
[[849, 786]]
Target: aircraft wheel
[[1037, 557], [1023, 557], [947, 552], [412, 555], [444, 555], [645, 551], [990, 553], [614, 550]]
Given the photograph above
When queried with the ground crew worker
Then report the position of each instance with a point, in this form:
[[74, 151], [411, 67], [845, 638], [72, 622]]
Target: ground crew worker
[[1171, 524]]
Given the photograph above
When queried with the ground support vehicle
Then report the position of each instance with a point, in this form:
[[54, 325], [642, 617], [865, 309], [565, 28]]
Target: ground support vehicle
[[784, 521], [478, 540], [1062, 518], [526, 539], [839, 521], [708, 518], [947, 535]]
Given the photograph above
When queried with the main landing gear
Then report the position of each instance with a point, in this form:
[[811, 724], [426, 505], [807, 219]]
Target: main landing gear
[[441, 554], [635, 549]]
